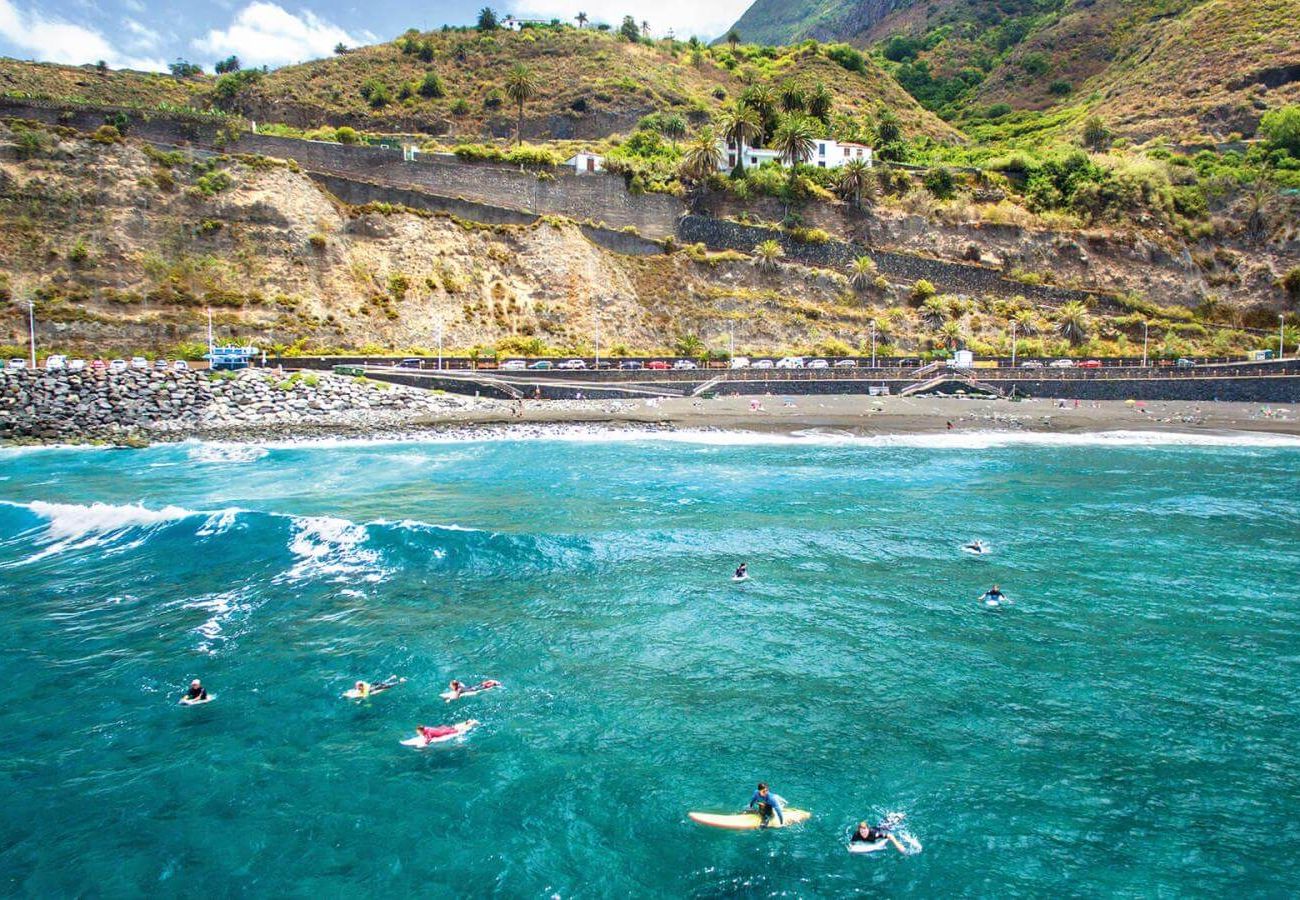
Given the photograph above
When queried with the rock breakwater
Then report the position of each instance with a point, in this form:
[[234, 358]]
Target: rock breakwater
[[145, 405]]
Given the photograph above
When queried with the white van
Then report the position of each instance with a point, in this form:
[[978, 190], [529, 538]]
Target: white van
[[790, 362], [740, 362]]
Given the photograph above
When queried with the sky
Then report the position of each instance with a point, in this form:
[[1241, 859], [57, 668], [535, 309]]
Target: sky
[[149, 34]]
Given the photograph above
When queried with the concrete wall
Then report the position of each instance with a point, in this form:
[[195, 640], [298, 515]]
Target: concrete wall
[[948, 277]]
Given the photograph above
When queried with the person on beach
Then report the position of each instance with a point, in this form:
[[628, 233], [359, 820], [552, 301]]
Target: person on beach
[[994, 595], [196, 692], [767, 803], [742, 571], [866, 834]]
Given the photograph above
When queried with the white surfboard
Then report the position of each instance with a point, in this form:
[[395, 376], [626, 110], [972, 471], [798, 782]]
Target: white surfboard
[[868, 846], [186, 701]]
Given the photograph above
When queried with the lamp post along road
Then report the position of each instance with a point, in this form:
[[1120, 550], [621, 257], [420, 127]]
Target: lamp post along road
[[439, 346], [1013, 344], [31, 329], [873, 344], [597, 341], [1281, 333], [1145, 325]]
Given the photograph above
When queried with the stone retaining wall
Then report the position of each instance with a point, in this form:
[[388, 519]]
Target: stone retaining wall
[[948, 277]]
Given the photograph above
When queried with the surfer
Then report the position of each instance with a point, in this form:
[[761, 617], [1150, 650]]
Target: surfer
[[196, 693], [363, 689], [432, 733], [456, 688], [768, 803], [742, 571], [869, 835], [974, 547], [994, 596]]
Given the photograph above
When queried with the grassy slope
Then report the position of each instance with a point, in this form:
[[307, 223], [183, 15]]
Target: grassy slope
[[87, 85], [619, 82]]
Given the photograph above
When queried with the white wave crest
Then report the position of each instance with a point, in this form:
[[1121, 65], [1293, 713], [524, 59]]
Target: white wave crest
[[75, 526], [332, 547], [226, 453]]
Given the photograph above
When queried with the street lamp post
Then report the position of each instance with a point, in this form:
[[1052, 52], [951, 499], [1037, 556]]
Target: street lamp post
[[1013, 344], [873, 344], [731, 342], [597, 341], [31, 328], [440, 346], [1281, 326], [1145, 325]]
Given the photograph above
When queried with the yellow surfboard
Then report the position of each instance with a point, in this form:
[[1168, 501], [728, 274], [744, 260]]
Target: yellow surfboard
[[747, 821]]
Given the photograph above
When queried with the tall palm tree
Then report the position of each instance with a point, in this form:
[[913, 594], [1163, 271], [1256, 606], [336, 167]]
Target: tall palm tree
[[1073, 323], [888, 128], [767, 254], [703, 155], [733, 38], [855, 180], [862, 273], [582, 19], [521, 86], [934, 311], [795, 141], [792, 97], [760, 99], [953, 334], [741, 125], [819, 103]]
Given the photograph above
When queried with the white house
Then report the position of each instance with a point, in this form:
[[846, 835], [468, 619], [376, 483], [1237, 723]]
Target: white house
[[510, 23], [827, 154], [586, 162]]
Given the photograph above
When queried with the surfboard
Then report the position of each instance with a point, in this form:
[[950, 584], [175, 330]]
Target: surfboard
[[868, 846], [740, 578], [975, 551], [420, 741], [747, 821], [186, 701]]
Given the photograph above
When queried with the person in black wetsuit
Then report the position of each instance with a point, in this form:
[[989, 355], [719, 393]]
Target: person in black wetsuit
[[197, 691], [866, 834], [742, 570], [994, 595]]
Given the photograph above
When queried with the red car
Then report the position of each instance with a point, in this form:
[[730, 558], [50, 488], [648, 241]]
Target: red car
[[1090, 364], [658, 364]]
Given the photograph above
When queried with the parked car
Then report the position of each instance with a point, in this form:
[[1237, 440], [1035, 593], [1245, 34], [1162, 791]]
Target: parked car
[[99, 364], [1090, 364], [790, 362], [1031, 364], [603, 364], [1183, 362], [76, 365], [684, 364], [117, 365], [846, 363], [631, 365], [657, 364], [909, 361], [160, 364], [761, 364], [541, 364], [572, 364], [411, 363], [513, 365], [180, 365], [818, 364], [16, 363], [139, 362], [1063, 364], [739, 362], [57, 361]]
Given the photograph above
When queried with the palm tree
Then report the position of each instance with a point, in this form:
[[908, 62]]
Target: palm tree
[[673, 127], [760, 99], [794, 140], [855, 180], [703, 155], [521, 86], [733, 38], [820, 102], [792, 97], [1072, 322], [934, 311], [740, 126], [767, 254], [953, 334], [888, 128], [1027, 321], [582, 19], [862, 273]]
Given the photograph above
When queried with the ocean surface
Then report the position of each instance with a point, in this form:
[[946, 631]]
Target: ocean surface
[[1127, 726]]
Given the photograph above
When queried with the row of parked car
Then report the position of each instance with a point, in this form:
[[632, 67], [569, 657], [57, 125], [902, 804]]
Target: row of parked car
[[58, 361]]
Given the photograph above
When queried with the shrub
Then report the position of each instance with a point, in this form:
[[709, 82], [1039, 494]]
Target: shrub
[[922, 290], [939, 181], [346, 135], [493, 99], [317, 242], [213, 183], [1060, 88], [1282, 128], [478, 153], [805, 235], [529, 155], [375, 92], [79, 253], [1290, 282], [432, 86], [846, 56], [107, 134]]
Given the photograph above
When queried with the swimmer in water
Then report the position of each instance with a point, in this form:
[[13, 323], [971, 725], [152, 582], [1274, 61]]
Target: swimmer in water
[[742, 571], [869, 835], [994, 596], [196, 693]]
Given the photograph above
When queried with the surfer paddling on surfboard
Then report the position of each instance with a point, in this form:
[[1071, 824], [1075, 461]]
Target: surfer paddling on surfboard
[[364, 689], [457, 689], [436, 734], [869, 835], [994, 596], [196, 694], [768, 803], [742, 572]]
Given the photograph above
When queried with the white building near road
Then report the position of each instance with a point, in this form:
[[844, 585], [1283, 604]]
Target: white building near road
[[586, 162]]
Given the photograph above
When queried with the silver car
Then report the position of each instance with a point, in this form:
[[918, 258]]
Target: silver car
[[762, 364], [818, 364]]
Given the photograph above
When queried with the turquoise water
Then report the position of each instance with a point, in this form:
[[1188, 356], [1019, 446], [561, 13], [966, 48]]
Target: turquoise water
[[1127, 726]]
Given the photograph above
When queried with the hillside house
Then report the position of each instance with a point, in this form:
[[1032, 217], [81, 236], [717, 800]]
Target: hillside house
[[827, 154], [510, 23], [586, 162]]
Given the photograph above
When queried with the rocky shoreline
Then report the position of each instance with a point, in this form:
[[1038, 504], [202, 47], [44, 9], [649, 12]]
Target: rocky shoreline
[[144, 406]]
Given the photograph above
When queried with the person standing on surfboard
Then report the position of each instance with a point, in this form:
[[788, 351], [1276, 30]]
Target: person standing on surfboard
[[768, 803]]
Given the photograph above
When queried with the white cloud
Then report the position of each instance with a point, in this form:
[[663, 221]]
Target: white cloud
[[140, 37], [54, 40], [701, 18], [266, 34]]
